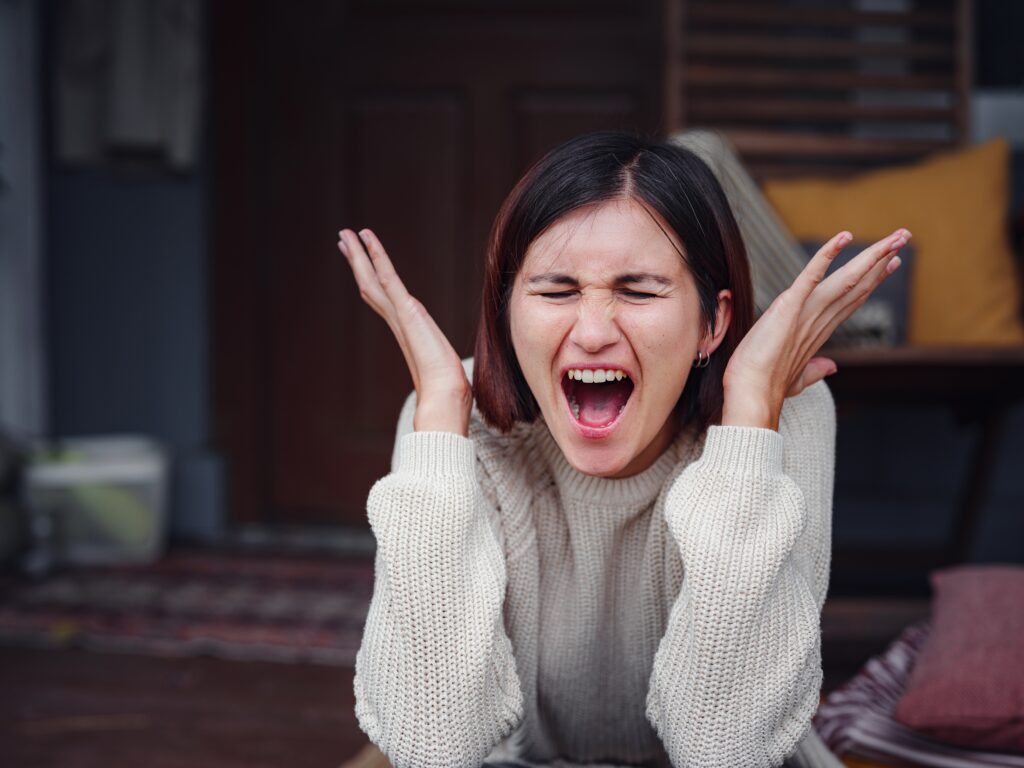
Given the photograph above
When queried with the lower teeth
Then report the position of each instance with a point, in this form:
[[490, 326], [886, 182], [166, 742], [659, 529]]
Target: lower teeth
[[575, 406]]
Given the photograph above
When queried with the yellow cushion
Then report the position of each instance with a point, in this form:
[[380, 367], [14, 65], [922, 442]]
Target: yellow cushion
[[964, 286]]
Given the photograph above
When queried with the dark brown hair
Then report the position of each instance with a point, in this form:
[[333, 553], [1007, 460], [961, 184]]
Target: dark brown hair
[[593, 168]]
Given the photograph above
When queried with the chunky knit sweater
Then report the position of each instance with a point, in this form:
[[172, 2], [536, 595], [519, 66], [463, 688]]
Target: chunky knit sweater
[[525, 611]]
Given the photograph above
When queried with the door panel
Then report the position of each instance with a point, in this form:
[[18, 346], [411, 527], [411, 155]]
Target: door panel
[[414, 119]]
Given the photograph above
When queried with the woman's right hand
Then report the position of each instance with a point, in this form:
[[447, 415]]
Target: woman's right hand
[[444, 397]]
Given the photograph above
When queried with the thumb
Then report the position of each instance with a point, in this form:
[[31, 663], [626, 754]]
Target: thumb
[[816, 370]]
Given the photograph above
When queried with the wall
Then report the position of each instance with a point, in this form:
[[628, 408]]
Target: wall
[[128, 319], [23, 383], [128, 316], [129, 330]]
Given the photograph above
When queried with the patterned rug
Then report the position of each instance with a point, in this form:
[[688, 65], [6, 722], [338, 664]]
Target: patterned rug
[[254, 607]]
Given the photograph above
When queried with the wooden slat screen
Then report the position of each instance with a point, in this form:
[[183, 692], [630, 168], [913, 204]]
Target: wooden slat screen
[[825, 87]]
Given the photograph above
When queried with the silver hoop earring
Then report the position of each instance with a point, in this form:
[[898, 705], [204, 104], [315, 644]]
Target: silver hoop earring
[[702, 360]]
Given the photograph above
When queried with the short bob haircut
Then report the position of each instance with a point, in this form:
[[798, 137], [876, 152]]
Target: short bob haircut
[[595, 168]]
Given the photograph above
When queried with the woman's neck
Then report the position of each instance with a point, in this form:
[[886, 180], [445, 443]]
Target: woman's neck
[[662, 440]]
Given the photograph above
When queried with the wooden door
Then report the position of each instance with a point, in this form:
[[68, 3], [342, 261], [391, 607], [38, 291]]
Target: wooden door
[[411, 118]]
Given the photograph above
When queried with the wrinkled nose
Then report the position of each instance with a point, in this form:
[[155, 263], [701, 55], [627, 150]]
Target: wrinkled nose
[[595, 327]]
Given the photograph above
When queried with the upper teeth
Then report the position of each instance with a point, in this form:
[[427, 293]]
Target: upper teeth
[[590, 376]]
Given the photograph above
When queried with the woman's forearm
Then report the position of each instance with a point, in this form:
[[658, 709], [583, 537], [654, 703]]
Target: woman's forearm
[[436, 683], [737, 675]]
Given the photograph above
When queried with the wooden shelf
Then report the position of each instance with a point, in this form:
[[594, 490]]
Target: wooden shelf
[[980, 385], [985, 377]]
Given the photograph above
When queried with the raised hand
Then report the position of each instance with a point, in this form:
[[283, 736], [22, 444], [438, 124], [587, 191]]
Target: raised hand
[[444, 396], [776, 359]]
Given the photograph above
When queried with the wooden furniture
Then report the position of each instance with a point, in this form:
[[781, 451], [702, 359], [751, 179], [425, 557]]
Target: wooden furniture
[[820, 90], [980, 385], [832, 91]]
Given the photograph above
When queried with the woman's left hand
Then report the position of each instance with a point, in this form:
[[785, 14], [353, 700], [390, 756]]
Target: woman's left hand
[[776, 359]]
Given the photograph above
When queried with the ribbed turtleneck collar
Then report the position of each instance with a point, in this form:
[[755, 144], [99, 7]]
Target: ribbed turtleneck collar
[[634, 492]]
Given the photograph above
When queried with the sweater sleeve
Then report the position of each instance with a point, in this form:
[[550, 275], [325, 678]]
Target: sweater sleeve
[[737, 676], [435, 679]]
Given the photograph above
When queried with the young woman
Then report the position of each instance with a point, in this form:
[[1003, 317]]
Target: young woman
[[613, 546]]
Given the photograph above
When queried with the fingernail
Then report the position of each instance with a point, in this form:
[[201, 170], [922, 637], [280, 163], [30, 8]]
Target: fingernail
[[845, 238]]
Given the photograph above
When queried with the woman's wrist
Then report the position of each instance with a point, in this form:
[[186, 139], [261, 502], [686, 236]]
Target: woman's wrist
[[740, 410], [444, 416]]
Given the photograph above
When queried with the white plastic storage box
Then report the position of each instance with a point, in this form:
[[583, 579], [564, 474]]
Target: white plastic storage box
[[99, 500]]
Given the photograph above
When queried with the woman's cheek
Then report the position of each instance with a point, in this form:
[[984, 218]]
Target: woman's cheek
[[537, 330], [663, 342], [548, 323], [651, 330]]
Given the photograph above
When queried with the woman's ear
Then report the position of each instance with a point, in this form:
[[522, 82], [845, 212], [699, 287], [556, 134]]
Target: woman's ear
[[722, 319]]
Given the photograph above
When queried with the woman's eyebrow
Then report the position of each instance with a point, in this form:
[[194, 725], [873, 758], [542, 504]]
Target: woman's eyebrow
[[552, 277], [629, 278], [644, 277]]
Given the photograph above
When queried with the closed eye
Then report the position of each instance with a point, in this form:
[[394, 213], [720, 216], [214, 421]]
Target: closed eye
[[629, 294]]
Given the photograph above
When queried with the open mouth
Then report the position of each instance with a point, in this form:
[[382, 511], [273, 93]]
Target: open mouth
[[596, 404]]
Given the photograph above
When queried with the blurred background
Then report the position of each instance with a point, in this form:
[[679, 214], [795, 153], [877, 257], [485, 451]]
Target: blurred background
[[194, 401]]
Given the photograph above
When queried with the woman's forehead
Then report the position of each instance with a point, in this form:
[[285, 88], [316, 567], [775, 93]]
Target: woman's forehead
[[619, 235]]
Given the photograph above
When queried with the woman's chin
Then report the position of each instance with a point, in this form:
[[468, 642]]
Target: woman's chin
[[597, 469], [600, 460], [621, 454]]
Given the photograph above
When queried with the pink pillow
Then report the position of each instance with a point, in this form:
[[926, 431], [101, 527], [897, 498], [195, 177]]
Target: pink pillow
[[967, 685]]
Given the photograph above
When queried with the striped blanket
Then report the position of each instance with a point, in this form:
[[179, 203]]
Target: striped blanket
[[857, 718]]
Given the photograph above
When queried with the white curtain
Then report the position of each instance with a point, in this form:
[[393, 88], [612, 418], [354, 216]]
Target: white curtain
[[127, 78]]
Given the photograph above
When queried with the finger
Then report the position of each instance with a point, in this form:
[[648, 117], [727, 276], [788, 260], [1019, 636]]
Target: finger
[[373, 294], [849, 287], [429, 353], [817, 368], [851, 276], [814, 273], [848, 303], [415, 327], [874, 277], [386, 274], [429, 348], [366, 277]]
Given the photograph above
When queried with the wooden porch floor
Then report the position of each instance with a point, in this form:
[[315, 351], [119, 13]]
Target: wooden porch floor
[[84, 709]]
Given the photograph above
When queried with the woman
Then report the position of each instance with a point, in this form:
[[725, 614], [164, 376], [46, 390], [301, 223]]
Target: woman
[[613, 547]]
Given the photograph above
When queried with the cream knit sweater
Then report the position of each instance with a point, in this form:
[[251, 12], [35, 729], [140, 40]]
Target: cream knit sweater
[[524, 610]]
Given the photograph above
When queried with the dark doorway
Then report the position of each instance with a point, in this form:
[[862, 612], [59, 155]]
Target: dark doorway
[[413, 119]]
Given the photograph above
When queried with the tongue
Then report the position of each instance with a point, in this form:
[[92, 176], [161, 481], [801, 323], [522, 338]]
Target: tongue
[[600, 403]]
